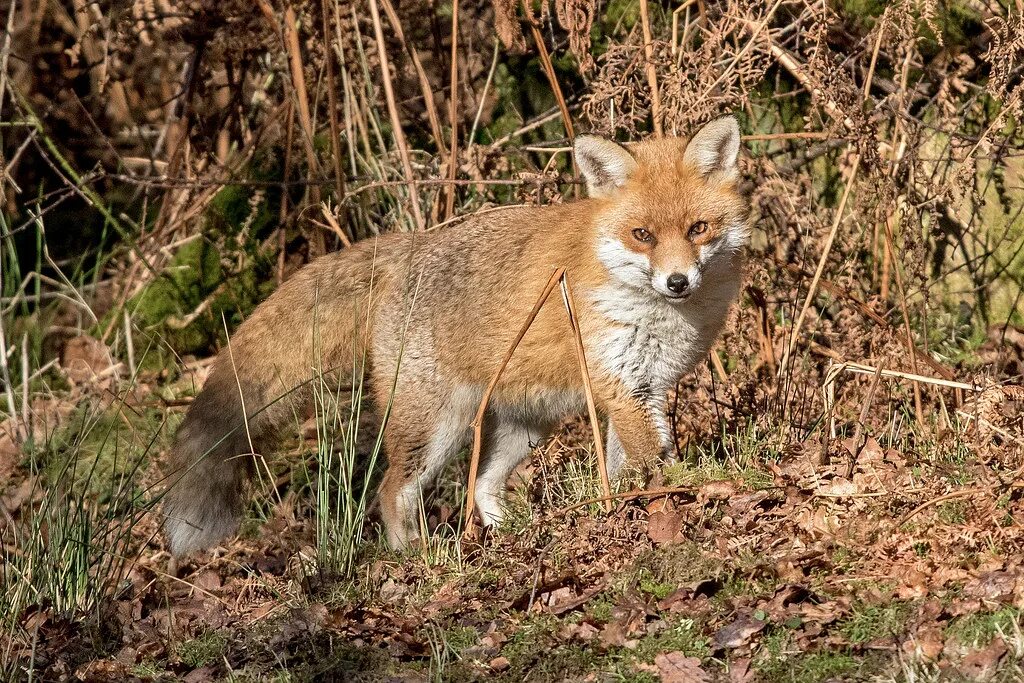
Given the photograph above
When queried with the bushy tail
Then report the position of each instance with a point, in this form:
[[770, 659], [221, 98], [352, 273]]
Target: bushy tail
[[318, 318]]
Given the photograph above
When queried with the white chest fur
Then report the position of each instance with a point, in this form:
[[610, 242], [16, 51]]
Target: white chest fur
[[648, 343]]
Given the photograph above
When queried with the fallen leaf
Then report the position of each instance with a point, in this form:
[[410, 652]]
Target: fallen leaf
[[739, 631], [739, 670], [718, 490], [84, 358], [979, 665], [664, 527], [675, 667], [996, 586]]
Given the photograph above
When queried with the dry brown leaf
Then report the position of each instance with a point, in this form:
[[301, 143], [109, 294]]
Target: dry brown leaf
[[739, 632], [84, 358], [981, 664], [664, 527], [675, 667]]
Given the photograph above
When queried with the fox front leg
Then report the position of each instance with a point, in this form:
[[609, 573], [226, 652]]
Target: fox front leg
[[638, 437]]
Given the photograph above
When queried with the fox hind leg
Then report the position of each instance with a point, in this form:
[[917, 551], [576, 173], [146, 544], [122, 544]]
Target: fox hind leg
[[418, 448], [506, 444]]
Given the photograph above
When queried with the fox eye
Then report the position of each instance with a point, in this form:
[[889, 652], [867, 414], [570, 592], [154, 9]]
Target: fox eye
[[698, 228], [642, 235]]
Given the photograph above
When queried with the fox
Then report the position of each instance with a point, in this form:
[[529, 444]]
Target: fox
[[653, 253]]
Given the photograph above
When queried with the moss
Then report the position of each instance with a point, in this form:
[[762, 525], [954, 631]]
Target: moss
[[809, 668], [977, 630], [99, 451], [207, 648], [875, 622]]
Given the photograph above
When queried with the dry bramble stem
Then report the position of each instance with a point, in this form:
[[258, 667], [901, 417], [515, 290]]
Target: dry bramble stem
[[478, 421], [602, 463], [557, 277]]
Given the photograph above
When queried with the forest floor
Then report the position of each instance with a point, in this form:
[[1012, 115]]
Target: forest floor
[[760, 564]]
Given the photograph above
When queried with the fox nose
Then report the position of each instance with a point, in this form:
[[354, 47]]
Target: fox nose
[[677, 283]]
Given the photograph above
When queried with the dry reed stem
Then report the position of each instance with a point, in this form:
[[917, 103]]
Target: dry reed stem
[[826, 251], [863, 369], [428, 92], [478, 421], [558, 277], [588, 389], [905, 311], [652, 74], [396, 122], [282, 237], [859, 430], [549, 71], [453, 112], [332, 101], [291, 40]]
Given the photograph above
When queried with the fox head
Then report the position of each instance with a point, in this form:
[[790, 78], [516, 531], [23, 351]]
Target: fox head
[[670, 214]]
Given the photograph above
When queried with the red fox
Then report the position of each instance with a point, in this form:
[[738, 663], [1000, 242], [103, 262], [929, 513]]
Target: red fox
[[654, 258]]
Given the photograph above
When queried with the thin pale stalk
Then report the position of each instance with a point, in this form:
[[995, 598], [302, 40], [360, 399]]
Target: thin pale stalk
[[332, 101], [478, 421], [588, 389], [396, 122], [453, 112], [826, 251]]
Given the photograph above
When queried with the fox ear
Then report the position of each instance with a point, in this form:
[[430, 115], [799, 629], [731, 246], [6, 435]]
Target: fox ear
[[715, 148], [605, 165]]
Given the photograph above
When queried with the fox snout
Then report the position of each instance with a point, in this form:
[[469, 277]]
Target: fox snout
[[677, 286]]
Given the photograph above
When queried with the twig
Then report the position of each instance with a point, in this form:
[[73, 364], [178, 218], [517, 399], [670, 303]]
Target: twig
[[804, 135], [625, 495], [963, 493], [911, 347], [859, 431], [532, 125], [483, 94], [602, 463]]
